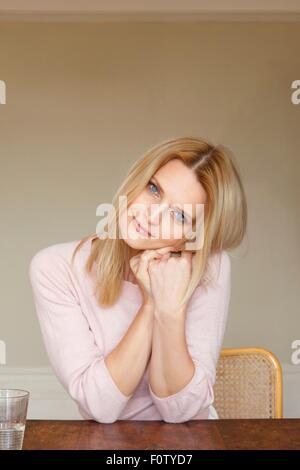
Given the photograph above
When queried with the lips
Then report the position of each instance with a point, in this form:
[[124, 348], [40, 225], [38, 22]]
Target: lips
[[143, 230]]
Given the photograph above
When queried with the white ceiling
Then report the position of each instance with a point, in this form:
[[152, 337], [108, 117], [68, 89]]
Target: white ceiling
[[149, 10]]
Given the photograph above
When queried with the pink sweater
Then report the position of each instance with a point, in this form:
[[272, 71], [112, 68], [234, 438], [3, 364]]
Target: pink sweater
[[78, 334]]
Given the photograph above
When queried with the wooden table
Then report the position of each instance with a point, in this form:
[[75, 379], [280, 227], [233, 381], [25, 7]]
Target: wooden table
[[158, 435]]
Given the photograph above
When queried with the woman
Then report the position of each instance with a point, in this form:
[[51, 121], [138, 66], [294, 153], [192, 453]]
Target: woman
[[133, 324]]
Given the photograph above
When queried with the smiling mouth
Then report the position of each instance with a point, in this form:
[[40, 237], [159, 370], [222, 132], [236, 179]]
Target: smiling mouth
[[140, 228]]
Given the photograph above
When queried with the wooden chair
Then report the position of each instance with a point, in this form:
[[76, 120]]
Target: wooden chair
[[248, 384]]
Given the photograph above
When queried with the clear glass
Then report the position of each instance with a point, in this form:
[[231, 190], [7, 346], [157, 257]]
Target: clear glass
[[13, 414]]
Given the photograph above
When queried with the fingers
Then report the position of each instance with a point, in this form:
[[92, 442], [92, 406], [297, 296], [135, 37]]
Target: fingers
[[167, 252], [165, 256], [166, 249], [164, 252], [186, 255], [141, 261], [146, 256]]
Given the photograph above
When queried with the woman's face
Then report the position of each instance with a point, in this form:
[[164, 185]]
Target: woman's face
[[165, 208]]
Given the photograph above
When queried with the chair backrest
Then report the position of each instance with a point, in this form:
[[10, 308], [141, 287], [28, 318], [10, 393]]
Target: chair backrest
[[248, 384]]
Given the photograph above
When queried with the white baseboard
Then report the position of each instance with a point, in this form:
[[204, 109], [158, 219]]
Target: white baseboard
[[49, 400]]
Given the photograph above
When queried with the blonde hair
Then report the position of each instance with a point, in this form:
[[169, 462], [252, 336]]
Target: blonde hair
[[225, 212]]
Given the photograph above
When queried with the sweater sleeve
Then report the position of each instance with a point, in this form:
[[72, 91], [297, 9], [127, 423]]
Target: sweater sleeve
[[76, 359], [205, 325]]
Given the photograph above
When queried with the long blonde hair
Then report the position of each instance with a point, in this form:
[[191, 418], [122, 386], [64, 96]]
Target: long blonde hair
[[225, 212]]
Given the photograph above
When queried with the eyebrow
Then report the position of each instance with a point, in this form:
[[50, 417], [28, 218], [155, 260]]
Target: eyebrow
[[177, 207]]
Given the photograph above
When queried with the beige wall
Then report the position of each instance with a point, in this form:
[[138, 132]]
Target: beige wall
[[84, 101]]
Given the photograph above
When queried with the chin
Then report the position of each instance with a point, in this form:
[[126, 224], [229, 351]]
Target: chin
[[143, 243], [137, 240], [139, 244]]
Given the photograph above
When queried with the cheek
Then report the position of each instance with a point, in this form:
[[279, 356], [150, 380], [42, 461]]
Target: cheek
[[123, 220], [139, 204]]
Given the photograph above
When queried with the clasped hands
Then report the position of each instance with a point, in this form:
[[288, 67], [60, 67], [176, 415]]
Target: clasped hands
[[163, 278]]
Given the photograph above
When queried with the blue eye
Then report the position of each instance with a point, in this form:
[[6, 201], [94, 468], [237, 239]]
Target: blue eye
[[152, 184], [182, 218]]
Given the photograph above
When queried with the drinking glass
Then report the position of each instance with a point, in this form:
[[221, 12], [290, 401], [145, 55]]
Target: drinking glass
[[13, 414]]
